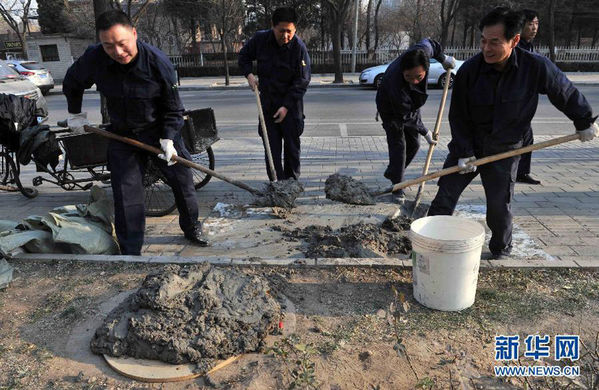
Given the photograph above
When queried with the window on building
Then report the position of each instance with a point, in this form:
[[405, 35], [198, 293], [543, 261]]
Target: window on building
[[49, 53]]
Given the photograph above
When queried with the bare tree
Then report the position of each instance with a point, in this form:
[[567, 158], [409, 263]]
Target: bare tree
[[376, 24], [16, 14], [552, 7], [338, 10], [449, 9], [133, 8], [227, 16]]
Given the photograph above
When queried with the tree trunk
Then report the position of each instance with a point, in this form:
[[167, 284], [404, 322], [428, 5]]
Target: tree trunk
[[367, 36], [337, 53], [552, 6], [455, 22], [376, 24], [224, 44]]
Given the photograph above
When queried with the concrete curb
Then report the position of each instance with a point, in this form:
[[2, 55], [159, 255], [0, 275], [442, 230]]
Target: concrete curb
[[297, 262]]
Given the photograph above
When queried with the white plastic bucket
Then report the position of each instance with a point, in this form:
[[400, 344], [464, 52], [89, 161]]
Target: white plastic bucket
[[445, 261]]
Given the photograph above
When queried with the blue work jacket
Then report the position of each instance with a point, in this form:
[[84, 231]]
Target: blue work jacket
[[283, 71], [398, 99], [490, 110], [140, 96]]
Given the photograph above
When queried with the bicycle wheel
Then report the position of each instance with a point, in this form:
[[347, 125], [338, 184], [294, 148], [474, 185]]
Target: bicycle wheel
[[159, 199], [206, 159], [11, 175]]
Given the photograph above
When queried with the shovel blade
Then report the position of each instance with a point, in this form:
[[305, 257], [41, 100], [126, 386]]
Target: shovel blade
[[407, 210]]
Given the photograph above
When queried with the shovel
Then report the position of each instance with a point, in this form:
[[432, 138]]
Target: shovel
[[178, 159], [271, 165], [478, 162], [436, 138]]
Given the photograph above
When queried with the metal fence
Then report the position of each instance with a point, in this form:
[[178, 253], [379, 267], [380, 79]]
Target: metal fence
[[363, 57]]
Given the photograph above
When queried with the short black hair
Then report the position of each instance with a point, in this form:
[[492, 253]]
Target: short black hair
[[513, 21], [111, 18], [284, 14], [529, 14], [414, 58]]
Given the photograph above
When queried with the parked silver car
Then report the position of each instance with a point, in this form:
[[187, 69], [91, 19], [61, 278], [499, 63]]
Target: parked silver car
[[12, 83], [35, 73], [436, 74]]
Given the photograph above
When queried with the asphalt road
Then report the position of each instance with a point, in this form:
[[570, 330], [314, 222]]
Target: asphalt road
[[329, 111]]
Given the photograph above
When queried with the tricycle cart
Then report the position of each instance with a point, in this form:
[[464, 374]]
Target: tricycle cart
[[84, 162]]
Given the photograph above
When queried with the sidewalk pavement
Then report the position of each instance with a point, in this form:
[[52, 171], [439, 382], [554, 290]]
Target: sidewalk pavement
[[350, 80], [560, 218]]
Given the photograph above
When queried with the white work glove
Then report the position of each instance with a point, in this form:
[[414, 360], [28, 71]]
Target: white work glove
[[448, 63], [429, 138], [169, 151], [590, 133], [75, 122], [464, 165], [252, 81]]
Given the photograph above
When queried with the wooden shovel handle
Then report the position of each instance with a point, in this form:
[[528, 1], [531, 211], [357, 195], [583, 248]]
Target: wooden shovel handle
[[480, 161], [271, 164], [429, 155], [178, 159]]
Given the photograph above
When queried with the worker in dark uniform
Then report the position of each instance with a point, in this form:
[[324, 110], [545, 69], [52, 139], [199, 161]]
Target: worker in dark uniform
[[529, 31], [493, 102], [143, 103], [398, 101], [284, 75]]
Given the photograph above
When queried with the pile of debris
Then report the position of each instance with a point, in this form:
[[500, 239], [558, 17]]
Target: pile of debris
[[347, 190], [196, 314], [361, 240]]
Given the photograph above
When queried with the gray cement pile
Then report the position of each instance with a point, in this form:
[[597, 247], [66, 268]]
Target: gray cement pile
[[358, 241], [196, 314], [280, 194], [347, 190]]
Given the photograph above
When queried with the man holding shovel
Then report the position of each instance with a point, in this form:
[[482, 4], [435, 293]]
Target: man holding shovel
[[398, 101], [140, 87], [284, 74], [494, 99]]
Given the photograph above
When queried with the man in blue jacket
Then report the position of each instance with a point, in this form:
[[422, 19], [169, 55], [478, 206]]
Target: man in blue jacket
[[139, 83], [283, 75], [494, 99], [398, 101]]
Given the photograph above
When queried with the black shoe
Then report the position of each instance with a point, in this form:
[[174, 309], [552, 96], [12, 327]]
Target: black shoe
[[527, 179], [501, 255], [398, 197], [196, 237]]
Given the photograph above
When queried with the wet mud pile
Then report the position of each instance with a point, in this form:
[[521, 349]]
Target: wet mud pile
[[359, 240], [347, 190], [280, 194], [195, 314]]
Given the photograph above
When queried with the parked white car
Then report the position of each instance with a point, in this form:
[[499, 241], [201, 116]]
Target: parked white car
[[436, 74], [12, 83], [35, 73]]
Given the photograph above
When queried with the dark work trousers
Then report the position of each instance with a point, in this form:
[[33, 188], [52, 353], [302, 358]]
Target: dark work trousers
[[524, 165], [284, 140], [498, 180], [127, 166], [403, 143]]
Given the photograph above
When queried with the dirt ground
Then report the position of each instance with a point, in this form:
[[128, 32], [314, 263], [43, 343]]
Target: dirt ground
[[351, 325]]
